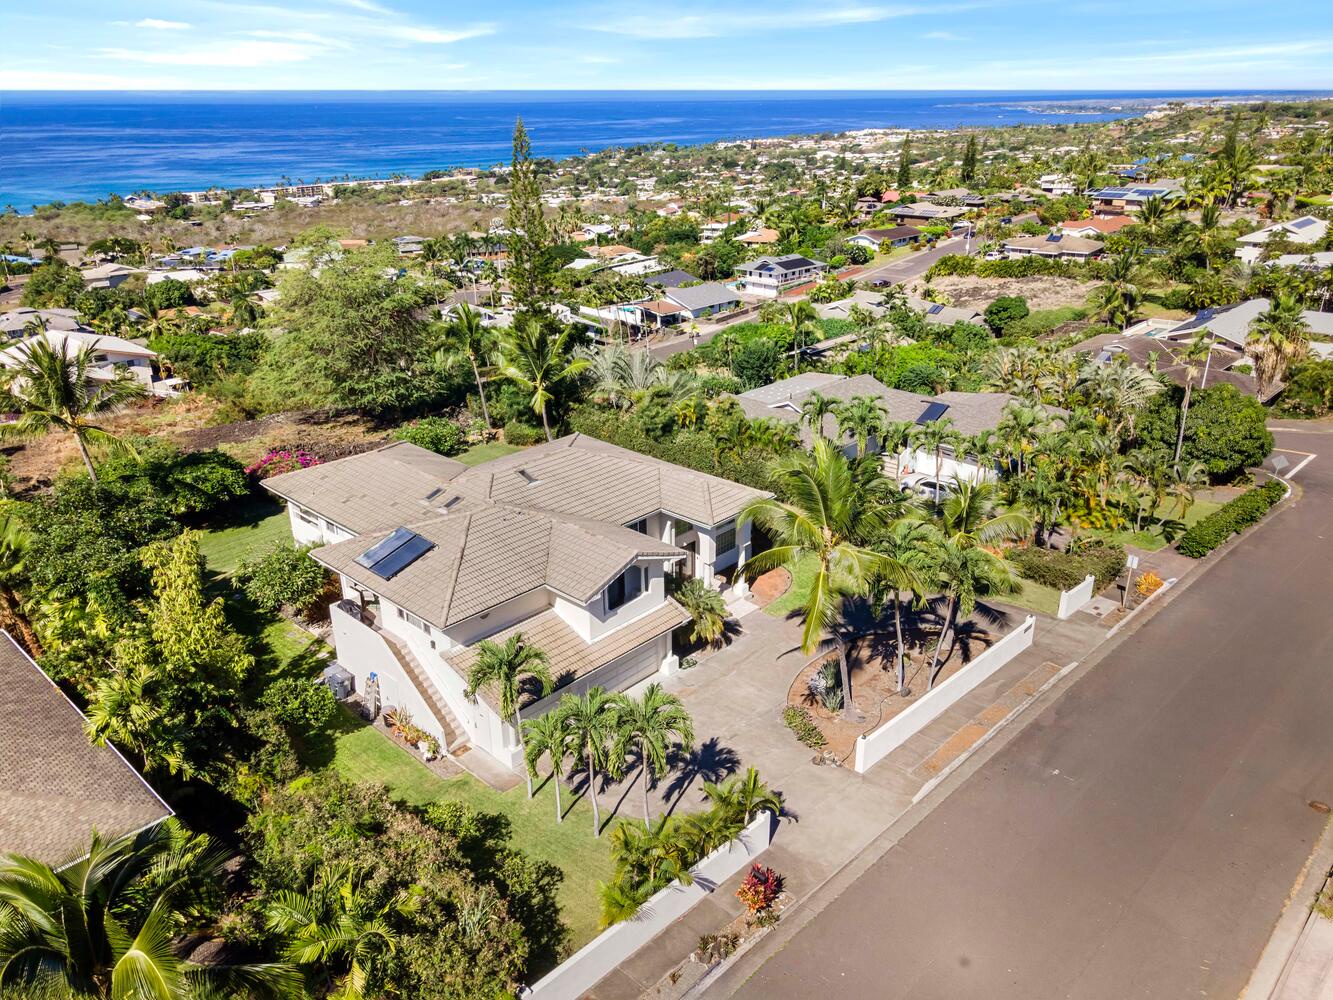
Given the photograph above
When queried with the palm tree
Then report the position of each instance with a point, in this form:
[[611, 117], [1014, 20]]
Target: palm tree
[[538, 361], [744, 795], [646, 857], [103, 926], [861, 417], [910, 543], [1184, 482], [971, 516], [14, 542], [1198, 349], [966, 573], [829, 516], [804, 322], [1119, 298], [933, 437], [1020, 424], [52, 389], [333, 924], [466, 338], [590, 720], [547, 735], [894, 437], [814, 408], [507, 667], [706, 608], [653, 726], [1278, 336]]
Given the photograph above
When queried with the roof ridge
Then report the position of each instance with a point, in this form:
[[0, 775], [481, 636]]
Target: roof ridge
[[456, 569]]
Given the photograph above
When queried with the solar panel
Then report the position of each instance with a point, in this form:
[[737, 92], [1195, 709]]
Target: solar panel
[[935, 310], [391, 556], [1054, 238], [933, 411], [1302, 223]]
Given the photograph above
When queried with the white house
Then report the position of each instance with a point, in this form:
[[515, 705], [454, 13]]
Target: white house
[[1124, 200], [1305, 231], [109, 275], [770, 276], [895, 236], [1056, 184], [1055, 246], [568, 544], [112, 355]]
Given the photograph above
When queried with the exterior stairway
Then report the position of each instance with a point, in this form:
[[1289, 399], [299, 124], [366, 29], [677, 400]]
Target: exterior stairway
[[454, 741]]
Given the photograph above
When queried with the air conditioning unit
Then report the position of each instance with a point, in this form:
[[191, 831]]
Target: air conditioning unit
[[339, 680]]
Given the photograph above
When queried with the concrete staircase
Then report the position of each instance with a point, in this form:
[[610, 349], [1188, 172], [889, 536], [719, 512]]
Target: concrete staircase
[[454, 741]]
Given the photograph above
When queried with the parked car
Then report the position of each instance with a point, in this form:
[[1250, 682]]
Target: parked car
[[881, 283], [994, 255], [927, 486]]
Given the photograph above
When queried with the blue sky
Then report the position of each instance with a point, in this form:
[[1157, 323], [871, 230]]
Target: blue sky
[[664, 44]]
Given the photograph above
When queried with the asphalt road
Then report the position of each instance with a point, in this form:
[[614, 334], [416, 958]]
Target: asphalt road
[[1139, 837]]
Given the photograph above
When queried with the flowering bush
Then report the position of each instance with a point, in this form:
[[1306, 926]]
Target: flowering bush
[[280, 460], [760, 889], [1149, 583]]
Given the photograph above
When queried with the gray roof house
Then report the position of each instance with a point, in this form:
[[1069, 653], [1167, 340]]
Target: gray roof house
[[923, 213], [567, 544], [705, 299], [769, 276], [1231, 324], [55, 786]]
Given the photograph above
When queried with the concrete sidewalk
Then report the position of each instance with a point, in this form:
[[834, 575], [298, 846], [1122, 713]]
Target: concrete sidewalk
[[737, 697]]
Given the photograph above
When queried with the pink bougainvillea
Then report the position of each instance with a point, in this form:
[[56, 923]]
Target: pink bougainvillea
[[280, 460]]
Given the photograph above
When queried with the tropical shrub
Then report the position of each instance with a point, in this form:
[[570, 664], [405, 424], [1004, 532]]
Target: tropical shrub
[[1231, 519], [196, 483], [1065, 570], [707, 610], [831, 290], [1148, 584], [1309, 391], [521, 434], [279, 460], [285, 576], [1225, 429], [1005, 311], [444, 437], [756, 363], [800, 722], [760, 888]]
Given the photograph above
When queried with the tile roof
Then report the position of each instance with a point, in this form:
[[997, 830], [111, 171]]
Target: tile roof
[[1056, 244], [486, 554], [894, 233], [1104, 226], [706, 296], [570, 656], [56, 787]]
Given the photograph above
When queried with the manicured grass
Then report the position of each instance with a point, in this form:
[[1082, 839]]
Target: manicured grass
[[1034, 597], [803, 575], [250, 530], [363, 753], [479, 453], [1151, 538]]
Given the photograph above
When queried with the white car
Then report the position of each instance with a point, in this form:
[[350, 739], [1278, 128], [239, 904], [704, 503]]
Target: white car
[[927, 486], [994, 255]]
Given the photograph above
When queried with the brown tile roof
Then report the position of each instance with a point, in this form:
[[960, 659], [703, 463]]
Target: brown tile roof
[[487, 554], [56, 787], [759, 236], [1111, 225], [611, 250], [1065, 244], [569, 655], [376, 489]]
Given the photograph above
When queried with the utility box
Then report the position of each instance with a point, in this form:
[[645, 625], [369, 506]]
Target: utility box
[[339, 680]]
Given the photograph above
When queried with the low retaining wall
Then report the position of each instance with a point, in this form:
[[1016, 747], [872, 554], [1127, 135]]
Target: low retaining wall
[[871, 748], [586, 967], [1072, 600]]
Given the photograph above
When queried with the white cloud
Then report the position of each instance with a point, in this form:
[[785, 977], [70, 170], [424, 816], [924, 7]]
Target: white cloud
[[19, 79], [157, 24], [943, 36], [660, 23], [231, 54], [432, 36], [366, 5]]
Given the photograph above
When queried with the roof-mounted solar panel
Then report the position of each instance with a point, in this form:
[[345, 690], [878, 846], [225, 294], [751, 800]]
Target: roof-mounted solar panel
[[1302, 223], [935, 310], [389, 557], [932, 412], [1054, 238]]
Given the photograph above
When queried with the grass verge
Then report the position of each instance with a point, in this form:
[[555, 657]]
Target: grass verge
[[479, 453], [802, 576]]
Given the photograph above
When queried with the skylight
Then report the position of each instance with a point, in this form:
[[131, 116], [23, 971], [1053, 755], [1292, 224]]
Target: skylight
[[932, 412]]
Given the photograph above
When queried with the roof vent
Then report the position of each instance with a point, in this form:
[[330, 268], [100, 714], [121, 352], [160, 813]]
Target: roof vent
[[528, 477]]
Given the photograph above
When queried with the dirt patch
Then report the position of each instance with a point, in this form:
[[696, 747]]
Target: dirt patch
[[768, 587], [1040, 292], [874, 686]]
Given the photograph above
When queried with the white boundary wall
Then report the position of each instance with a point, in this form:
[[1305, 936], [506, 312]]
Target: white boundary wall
[[586, 967], [871, 748], [1072, 600]]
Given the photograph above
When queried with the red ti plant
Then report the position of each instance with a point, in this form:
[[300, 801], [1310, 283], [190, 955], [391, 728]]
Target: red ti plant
[[760, 888]]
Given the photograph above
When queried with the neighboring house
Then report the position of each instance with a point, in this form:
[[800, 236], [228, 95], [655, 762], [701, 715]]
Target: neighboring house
[[634, 263], [711, 230], [568, 543], [410, 246], [654, 314], [960, 194], [189, 275], [758, 237], [770, 276], [109, 275], [866, 207], [1056, 184], [1123, 200], [1318, 261], [55, 786], [703, 300], [672, 279], [1305, 231], [112, 354], [1167, 358], [14, 322], [897, 236], [611, 250], [969, 413], [942, 315], [1230, 325], [1096, 226], [922, 213], [1055, 246]]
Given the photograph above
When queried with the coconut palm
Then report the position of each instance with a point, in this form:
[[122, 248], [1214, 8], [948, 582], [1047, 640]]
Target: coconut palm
[[934, 437], [746, 795], [861, 418], [966, 572], [539, 361], [1020, 370], [1118, 300], [53, 389], [590, 720], [547, 736], [909, 543], [335, 925], [1198, 351], [972, 516], [104, 925], [507, 667], [652, 726], [467, 339], [814, 408], [804, 322], [894, 437], [829, 516], [1184, 483], [1278, 336], [1020, 425]]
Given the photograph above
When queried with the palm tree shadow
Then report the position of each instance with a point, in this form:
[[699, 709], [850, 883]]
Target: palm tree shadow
[[710, 761]]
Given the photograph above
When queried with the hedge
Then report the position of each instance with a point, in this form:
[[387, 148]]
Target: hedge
[[1019, 267], [1231, 519], [1064, 570]]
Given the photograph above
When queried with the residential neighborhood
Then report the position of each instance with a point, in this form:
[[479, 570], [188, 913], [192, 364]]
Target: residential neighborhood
[[882, 562]]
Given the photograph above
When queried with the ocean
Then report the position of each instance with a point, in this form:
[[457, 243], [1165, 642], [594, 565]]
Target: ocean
[[59, 146]]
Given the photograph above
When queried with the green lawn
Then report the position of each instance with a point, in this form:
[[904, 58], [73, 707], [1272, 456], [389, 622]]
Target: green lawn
[[251, 529], [1151, 538], [1034, 597], [479, 453], [362, 753], [803, 575]]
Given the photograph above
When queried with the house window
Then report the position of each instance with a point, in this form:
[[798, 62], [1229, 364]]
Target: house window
[[627, 586], [641, 526], [726, 540]]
